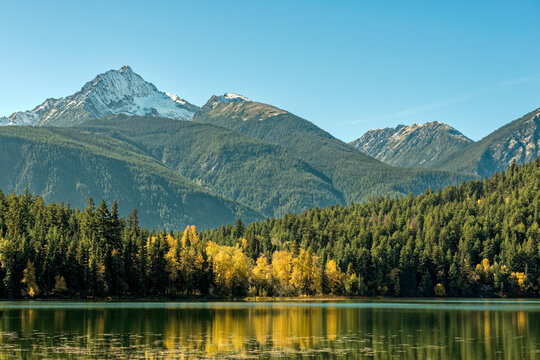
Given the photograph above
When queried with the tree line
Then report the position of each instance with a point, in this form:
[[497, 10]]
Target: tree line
[[481, 238]]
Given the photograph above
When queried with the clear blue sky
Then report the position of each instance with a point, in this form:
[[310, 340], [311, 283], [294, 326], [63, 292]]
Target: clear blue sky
[[347, 66]]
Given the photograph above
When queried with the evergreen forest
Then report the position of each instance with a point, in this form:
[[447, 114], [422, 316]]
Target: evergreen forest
[[481, 238]]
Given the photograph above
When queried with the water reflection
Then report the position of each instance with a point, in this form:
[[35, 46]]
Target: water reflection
[[318, 331]]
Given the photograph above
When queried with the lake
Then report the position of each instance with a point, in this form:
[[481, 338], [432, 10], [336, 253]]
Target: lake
[[367, 329]]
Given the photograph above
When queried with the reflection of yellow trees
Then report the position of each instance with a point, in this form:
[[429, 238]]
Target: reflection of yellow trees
[[487, 327], [297, 327], [521, 321], [332, 316], [221, 330], [262, 325], [28, 321], [225, 333], [59, 318]]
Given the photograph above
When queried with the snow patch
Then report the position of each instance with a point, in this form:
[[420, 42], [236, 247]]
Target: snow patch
[[235, 97], [231, 97], [175, 98]]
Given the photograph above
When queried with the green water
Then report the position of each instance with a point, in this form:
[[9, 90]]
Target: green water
[[399, 329]]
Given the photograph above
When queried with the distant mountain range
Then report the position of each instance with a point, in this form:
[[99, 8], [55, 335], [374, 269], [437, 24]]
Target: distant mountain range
[[412, 146], [121, 138], [438, 145]]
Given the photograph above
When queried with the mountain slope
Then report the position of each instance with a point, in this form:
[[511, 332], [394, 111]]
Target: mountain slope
[[260, 175], [64, 164], [412, 146], [517, 141], [356, 175], [113, 92]]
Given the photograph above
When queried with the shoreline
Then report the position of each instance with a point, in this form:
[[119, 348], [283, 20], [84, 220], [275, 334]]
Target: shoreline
[[291, 299]]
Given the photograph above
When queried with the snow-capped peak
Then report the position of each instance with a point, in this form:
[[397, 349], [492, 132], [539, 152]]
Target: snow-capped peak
[[226, 98], [113, 92], [232, 97]]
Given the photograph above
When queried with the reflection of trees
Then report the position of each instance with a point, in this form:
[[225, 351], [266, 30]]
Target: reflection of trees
[[268, 331]]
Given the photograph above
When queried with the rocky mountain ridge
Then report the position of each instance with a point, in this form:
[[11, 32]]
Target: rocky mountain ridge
[[412, 146]]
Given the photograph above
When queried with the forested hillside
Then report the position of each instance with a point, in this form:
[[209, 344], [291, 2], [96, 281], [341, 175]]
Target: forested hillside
[[263, 176], [355, 175], [63, 164], [479, 238]]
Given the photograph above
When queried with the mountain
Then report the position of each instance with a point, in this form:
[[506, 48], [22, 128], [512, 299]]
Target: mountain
[[263, 176], [412, 146], [355, 175], [247, 158], [518, 141], [65, 164], [113, 92]]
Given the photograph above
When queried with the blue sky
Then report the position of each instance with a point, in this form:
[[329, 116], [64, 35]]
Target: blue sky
[[347, 66]]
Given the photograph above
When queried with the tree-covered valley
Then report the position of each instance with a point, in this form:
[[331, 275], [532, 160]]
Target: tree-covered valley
[[478, 239]]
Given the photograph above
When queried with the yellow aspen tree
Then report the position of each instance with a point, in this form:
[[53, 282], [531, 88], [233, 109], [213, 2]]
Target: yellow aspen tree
[[241, 270], [305, 273], [172, 263], [333, 276], [282, 271], [261, 276], [222, 267], [190, 237]]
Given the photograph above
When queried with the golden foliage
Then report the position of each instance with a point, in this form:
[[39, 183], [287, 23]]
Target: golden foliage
[[190, 237], [261, 275], [333, 276], [305, 276], [439, 290], [521, 280], [230, 265], [282, 271], [29, 279]]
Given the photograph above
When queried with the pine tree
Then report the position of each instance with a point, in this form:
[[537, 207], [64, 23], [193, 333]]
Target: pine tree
[[238, 230]]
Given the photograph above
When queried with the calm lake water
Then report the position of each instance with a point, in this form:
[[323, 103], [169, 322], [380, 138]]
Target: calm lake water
[[398, 329]]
